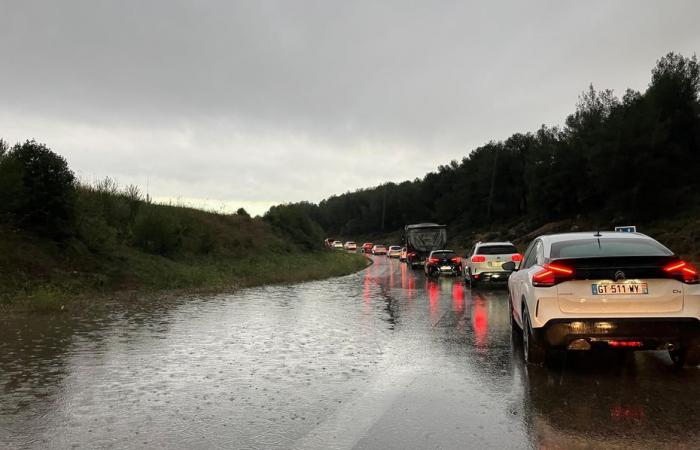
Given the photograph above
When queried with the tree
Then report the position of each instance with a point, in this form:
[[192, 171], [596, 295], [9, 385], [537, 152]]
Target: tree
[[37, 190], [614, 157], [296, 222]]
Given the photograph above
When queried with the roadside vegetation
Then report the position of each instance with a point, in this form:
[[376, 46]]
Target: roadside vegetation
[[616, 160], [61, 240]]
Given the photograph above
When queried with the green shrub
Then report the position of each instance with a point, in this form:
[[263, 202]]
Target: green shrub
[[207, 244], [11, 188], [37, 190], [295, 222], [157, 232], [97, 235]]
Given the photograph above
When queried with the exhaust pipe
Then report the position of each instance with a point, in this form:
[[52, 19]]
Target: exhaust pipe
[[579, 344]]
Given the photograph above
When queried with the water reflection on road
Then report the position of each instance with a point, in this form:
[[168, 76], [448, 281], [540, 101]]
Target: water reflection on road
[[380, 359]]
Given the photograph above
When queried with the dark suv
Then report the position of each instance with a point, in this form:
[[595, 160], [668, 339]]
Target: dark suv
[[443, 262]]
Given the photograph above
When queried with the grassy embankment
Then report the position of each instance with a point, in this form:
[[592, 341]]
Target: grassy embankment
[[126, 245]]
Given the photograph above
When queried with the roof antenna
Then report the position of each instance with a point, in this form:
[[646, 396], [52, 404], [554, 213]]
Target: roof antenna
[[597, 233]]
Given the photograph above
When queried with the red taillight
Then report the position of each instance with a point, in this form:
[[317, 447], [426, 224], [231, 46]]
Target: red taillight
[[625, 344], [683, 270], [517, 257], [478, 259], [433, 260], [551, 274], [457, 260]]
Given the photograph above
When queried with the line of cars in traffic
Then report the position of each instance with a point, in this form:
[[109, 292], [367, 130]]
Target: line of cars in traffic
[[482, 264], [583, 291], [393, 251]]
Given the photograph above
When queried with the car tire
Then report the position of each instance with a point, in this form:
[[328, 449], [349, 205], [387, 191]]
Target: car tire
[[534, 353], [472, 282], [686, 355], [513, 324]]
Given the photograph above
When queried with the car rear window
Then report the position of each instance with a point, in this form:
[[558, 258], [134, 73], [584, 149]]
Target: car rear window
[[591, 248], [496, 250], [444, 254]]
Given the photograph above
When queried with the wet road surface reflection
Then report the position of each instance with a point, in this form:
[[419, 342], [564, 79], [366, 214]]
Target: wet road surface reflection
[[380, 359]]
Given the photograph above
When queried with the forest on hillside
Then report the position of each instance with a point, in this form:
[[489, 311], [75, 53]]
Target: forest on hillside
[[615, 159]]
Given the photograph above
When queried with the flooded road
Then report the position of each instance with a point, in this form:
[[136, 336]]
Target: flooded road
[[379, 359]]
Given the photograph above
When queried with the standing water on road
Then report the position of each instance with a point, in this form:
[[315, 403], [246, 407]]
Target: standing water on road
[[380, 359]]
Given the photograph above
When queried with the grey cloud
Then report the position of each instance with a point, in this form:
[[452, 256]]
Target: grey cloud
[[286, 100]]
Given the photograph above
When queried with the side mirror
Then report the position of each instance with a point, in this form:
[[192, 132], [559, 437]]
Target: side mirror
[[509, 266]]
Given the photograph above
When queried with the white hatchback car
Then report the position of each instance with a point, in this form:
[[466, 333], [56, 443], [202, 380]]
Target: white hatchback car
[[350, 246], [378, 249], [578, 291], [394, 251], [485, 262]]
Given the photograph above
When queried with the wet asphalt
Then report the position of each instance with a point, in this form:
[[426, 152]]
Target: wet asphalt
[[379, 359]]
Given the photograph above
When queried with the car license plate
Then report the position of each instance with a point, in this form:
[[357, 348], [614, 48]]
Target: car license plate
[[620, 289], [445, 268]]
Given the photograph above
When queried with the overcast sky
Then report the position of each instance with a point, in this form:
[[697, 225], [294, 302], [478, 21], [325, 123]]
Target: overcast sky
[[228, 104]]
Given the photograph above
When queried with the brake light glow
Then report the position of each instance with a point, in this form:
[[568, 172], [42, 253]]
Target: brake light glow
[[478, 259], [551, 274], [625, 344], [686, 271], [457, 260], [517, 257], [433, 260]]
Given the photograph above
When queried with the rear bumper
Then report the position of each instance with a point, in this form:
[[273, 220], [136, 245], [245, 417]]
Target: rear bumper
[[652, 332], [493, 277], [453, 270]]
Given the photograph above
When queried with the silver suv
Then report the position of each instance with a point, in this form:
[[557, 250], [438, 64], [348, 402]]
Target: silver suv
[[485, 262]]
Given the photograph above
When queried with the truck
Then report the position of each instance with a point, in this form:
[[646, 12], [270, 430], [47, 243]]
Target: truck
[[421, 239]]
